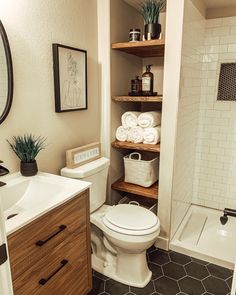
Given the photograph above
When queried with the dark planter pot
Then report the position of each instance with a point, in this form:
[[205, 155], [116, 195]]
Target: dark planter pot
[[28, 169], [153, 29]]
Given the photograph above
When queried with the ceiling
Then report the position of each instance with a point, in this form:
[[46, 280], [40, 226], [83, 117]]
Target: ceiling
[[208, 3], [219, 3]]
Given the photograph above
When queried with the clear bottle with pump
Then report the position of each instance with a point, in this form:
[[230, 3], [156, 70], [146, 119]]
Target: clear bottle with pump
[[147, 81]]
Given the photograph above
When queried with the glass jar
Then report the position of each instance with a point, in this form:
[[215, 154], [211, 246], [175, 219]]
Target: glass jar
[[134, 35]]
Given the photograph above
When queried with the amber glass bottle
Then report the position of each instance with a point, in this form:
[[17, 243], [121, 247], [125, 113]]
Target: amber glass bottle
[[147, 81]]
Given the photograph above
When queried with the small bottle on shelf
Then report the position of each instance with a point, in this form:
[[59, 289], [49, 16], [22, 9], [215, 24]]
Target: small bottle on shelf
[[147, 81], [136, 87]]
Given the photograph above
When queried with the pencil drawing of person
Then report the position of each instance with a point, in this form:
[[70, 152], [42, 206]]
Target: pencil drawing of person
[[71, 93]]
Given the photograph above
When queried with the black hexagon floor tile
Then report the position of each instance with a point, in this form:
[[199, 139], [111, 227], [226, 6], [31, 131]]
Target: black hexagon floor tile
[[166, 286], [159, 257], [156, 270], [191, 286], [100, 276], [174, 270], [98, 286], [196, 270], [229, 281], [179, 258], [219, 272], [116, 288], [216, 286], [173, 274], [149, 289], [200, 261]]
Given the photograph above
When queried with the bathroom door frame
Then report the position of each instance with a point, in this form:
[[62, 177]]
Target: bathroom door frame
[[5, 272]]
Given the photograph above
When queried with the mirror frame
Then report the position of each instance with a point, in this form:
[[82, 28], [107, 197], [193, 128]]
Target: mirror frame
[[9, 73]]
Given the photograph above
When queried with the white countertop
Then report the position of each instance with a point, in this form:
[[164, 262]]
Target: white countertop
[[31, 197]]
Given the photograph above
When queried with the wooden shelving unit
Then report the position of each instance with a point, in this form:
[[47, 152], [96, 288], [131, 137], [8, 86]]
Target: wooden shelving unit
[[127, 98], [150, 48], [155, 148], [150, 192]]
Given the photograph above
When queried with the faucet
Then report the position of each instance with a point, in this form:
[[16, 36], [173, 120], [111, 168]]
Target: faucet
[[227, 212], [3, 171]]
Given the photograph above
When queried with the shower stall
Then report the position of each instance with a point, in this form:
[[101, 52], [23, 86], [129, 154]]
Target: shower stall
[[204, 178]]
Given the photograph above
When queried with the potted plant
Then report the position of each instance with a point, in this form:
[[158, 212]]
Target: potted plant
[[150, 11], [26, 148]]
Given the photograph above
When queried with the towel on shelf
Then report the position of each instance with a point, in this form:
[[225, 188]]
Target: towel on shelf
[[130, 119], [152, 135], [136, 134], [122, 134], [149, 119]]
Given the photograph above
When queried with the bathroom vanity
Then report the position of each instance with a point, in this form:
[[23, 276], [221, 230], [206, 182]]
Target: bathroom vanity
[[47, 224], [51, 255]]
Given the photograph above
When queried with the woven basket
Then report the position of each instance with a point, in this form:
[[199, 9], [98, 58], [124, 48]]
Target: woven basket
[[141, 171]]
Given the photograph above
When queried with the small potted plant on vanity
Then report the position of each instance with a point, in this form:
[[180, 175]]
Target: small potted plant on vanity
[[26, 148], [150, 11]]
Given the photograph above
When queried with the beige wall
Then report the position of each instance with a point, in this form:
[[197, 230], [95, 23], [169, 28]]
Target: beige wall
[[221, 12], [123, 68], [200, 5], [32, 27]]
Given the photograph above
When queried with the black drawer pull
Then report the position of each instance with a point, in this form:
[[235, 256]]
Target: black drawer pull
[[44, 281], [42, 242]]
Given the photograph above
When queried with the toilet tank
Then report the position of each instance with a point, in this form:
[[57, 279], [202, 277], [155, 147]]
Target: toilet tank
[[95, 172]]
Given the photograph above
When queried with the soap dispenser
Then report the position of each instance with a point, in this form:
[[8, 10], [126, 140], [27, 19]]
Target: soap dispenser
[[147, 81]]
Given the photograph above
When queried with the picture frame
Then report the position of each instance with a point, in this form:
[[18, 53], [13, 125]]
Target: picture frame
[[70, 78], [84, 154]]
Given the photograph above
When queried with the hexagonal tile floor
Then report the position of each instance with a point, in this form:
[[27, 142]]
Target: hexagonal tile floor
[[172, 274]]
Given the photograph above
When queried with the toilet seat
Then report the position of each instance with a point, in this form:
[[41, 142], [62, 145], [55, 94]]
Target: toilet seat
[[131, 220]]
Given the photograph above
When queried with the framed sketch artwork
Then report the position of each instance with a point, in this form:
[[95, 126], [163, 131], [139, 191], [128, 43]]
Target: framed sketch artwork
[[70, 78]]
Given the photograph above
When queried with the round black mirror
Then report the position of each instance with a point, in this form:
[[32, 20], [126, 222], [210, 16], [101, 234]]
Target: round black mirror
[[6, 75]]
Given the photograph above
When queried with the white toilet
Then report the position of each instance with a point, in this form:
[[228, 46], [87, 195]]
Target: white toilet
[[120, 234]]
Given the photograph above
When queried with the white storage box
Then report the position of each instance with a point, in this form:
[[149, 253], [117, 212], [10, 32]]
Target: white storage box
[[140, 169], [131, 200]]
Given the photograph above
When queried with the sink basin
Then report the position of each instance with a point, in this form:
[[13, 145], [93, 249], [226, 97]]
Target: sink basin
[[26, 198]]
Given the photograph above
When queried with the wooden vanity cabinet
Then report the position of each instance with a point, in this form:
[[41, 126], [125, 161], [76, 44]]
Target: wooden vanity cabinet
[[52, 255]]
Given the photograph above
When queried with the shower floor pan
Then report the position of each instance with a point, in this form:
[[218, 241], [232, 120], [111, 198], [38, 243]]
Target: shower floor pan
[[202, 236]]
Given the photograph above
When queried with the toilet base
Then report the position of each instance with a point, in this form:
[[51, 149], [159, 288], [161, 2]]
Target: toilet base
[[110, 270]]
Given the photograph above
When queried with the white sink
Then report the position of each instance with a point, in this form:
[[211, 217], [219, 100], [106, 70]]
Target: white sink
[[26, 198]]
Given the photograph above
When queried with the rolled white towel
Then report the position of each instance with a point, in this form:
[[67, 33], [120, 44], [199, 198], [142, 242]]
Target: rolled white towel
[[130, 119], [122, 134], [149, 119], [136, 134], [152, 135]]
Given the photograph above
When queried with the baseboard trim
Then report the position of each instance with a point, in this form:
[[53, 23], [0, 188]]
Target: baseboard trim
[[162, 243]]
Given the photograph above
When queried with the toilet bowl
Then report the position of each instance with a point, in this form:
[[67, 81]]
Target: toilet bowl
[[121, 234]]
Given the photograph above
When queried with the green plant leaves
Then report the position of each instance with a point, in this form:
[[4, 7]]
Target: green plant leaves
[[151, 9], [27, 147]]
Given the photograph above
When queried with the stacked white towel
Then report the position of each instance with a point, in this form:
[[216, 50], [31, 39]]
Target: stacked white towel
[[136, 134], [140, 127], [130, 119], [149, 119], [152, 135], [122, 134]]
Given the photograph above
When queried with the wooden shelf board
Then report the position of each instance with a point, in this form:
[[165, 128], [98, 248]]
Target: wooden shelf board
[[150, 192], [136, 146], [151, 48], [157, 98]]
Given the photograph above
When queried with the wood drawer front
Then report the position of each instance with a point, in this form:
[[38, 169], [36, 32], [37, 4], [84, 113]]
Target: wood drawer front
[[23, 250], [72, 279]]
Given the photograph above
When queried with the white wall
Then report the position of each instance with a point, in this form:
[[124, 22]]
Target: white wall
[[188, 110], [215, 177], [32, 27], [172, 64]]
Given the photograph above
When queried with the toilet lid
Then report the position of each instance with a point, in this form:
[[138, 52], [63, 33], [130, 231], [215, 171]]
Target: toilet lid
[[131, 217]]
